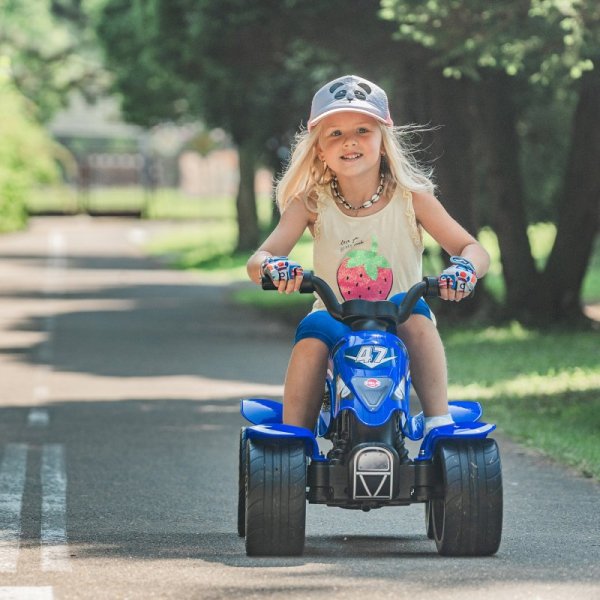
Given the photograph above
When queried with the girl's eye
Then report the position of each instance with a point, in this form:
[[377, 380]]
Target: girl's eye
[[363, 130]]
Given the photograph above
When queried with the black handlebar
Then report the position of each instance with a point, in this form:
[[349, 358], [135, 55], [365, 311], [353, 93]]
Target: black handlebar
[[364, 314]]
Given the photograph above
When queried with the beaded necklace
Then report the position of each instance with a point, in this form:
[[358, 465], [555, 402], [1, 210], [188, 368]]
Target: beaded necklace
[[341, 200]]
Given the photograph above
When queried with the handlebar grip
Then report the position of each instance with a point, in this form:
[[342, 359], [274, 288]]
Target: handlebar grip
[[433, 287], [267, 283], [306, 287]]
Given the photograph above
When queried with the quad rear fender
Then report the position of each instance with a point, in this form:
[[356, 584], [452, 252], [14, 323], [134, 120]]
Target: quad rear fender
[[476, 430], [461, 411]]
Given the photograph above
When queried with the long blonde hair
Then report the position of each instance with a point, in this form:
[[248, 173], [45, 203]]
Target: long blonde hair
[[306, 173]]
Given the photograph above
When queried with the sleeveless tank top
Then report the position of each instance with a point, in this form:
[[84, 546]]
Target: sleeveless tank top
[[371, 257]]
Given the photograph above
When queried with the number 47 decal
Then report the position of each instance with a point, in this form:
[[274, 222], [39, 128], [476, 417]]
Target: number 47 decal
[[372, 356]]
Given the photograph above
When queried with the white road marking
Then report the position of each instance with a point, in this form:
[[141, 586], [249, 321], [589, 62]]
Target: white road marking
[[55, 263], [41, 393], [55, 549], [38, 417], [137, 236], [26, 593], [12, 484]]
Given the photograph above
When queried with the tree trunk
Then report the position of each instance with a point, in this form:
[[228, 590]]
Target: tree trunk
[[452, 149], [247, 218], [505, 190], [578, 210]]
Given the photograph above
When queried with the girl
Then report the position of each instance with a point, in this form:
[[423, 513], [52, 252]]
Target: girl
[[353, 183]]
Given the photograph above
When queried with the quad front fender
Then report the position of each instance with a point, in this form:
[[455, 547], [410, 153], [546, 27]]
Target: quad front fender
[[281, 433], [260, 411]]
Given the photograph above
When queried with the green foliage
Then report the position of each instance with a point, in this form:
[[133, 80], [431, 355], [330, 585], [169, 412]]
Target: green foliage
[[25, 156], [546, 40], [545, 46], [53, 49]]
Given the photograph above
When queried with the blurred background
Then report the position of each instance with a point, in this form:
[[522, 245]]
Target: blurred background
[[187, 108]]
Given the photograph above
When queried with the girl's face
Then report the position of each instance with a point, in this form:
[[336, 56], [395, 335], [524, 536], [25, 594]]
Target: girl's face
[[351, 144]]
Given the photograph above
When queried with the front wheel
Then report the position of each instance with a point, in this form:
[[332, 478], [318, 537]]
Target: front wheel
[[467, 521], [275, 498]]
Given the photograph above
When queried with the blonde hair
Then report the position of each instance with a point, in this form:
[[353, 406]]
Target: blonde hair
[[306, 173]]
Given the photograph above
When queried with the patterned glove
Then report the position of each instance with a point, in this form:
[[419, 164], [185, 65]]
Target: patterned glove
[[459, 276], [281, 268]]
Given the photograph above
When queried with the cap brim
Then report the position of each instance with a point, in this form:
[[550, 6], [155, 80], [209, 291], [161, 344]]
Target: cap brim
[[354, 109]]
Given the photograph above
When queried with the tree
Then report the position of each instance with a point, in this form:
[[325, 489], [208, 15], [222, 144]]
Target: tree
[[53, 50], [46, 50], [231, 63], [25, 153], [507, 50]]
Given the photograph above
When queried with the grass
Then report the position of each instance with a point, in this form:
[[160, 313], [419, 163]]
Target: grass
[[163, 203], [540, 387]]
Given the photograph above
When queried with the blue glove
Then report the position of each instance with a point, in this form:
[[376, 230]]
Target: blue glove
[[281, 268], [460, 276]]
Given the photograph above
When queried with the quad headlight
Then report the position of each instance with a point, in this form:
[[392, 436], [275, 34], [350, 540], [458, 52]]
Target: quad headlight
[[373, 459], [373, 390]]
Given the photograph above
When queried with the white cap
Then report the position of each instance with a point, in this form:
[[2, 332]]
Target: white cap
[[350, 93]]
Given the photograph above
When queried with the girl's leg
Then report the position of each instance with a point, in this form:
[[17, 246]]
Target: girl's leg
[[305, 382], [427, 363]]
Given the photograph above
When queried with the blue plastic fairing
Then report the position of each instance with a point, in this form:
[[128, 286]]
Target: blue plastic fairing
[[261, 411], [461, 411], [476, 430], [284, 433], [372, 379]]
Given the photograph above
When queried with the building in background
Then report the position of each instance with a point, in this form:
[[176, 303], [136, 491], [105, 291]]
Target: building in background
[[108, 152]]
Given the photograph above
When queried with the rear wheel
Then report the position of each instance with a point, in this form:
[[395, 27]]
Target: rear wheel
[[275, 498], [467, 521], [241, 522]]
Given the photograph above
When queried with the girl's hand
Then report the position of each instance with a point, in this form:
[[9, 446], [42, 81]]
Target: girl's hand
[[285, 273], [458, 280]]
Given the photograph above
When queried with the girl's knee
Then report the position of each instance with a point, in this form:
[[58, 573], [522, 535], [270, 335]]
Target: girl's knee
[[309, 353], [311, 344]]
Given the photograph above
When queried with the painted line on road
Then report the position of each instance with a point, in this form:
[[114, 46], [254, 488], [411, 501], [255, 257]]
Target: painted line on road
[[55, 263], [38, 417], [55, 549], [137, 236], [12, 485], [41, 392], [26, 593]]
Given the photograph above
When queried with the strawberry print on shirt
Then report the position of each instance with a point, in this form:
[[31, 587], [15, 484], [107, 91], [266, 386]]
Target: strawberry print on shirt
[[365, 274]]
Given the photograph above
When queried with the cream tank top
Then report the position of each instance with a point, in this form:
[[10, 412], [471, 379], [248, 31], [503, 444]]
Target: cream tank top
[[371, 257]]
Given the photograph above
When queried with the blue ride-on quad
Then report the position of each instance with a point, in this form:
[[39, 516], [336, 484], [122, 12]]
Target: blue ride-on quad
[[366, 416]]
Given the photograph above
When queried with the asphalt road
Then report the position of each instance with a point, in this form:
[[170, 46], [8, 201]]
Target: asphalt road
[[119, 389]]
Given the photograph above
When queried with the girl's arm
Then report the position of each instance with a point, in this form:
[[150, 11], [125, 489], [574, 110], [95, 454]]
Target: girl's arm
[[282, 240], [448, 233]]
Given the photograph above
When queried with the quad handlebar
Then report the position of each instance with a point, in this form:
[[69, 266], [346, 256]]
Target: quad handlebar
[[364, 314]]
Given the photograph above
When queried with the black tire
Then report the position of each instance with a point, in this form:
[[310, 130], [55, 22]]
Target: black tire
[[429, 519], [241, 516], [468, 520], [275, 498]]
